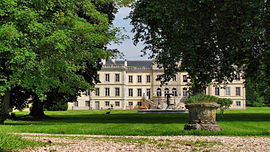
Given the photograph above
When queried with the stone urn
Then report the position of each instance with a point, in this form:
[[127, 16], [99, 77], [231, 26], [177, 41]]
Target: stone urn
[[202, 116]]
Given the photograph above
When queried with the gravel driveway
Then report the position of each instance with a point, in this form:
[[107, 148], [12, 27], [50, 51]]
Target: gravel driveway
[[83, 143]]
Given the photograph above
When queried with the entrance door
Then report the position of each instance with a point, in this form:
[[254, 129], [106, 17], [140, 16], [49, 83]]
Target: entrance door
[[97, 106], [165, 104]]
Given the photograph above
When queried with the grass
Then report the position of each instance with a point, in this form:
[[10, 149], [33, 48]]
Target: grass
[[250, 122], [13, 142]]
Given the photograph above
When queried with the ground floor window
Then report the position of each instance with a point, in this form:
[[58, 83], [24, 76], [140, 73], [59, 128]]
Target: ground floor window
[[117, 103], [238, 103], [130, 103], [76, 104], [107, 103], [87, 103], [217, 91], [174, 91], [184, 92], [139, 103]]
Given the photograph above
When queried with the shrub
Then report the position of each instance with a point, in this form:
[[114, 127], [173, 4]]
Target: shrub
[[202, 98], [61, 105], [224, 103]]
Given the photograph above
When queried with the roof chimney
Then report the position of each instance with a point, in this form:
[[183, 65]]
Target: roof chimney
[[113, 59], [103, 61], [125, 62]]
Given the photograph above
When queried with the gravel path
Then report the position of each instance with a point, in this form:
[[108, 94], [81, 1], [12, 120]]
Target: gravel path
[[84, 143]]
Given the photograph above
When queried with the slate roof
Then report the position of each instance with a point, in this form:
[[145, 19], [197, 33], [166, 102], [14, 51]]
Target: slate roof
[[131, 62], [139, 63]]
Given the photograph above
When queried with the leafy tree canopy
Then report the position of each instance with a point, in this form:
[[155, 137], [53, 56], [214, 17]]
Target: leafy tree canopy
[[209, 39], [46, 43]]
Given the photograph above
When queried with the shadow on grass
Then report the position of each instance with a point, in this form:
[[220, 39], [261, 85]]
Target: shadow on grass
[[245, 117], [153, 118], [18, 123], [124, 118], [138, 118]]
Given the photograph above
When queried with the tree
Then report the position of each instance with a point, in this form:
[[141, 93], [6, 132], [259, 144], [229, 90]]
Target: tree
[[212, 40], [253, 97], [51, 44]]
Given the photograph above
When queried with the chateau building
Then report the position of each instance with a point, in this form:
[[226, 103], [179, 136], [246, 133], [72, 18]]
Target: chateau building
[[131, 84]]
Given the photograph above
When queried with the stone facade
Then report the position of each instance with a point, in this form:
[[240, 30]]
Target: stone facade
[[125, 83]]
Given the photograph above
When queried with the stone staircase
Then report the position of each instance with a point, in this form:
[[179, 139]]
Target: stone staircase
[[151, 104]]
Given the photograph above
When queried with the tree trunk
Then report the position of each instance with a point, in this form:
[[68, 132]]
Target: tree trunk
[[37, 110], [6, 103]]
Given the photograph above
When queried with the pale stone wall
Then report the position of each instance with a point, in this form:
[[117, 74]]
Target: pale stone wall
[[124, 85]]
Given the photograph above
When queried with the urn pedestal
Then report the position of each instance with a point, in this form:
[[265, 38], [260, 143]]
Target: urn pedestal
[[202, 116]]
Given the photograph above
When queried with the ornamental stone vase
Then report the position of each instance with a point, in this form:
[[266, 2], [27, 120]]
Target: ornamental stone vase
[[202, 116]]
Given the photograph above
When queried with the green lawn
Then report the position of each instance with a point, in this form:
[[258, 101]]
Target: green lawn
[[250, 122], [13, 142]]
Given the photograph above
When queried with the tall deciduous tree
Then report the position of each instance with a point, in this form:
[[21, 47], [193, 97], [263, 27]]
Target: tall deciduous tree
[[49, 44], [210, 39]]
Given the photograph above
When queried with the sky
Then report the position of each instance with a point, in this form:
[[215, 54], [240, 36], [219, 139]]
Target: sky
[[130, 51]]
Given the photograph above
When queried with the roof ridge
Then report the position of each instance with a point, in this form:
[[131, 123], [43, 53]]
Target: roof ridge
[[133, 60]]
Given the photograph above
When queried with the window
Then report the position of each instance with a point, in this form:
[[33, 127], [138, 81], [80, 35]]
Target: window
[[107, 77], [228, 91], [130, 103], [139, 91], [174, 91], [238, 76], [148, 79], [217, 91], [238, 103], [130, 78], [87, 103], [238, 91], [130, 92], [107, 91], [117, 103], [185, 92], [139, 103], [158, 92], [117, 91], [204, 91], [76, 104], [97, 92], [107, 103], [148, 92], [87, 93], [117, 77], [184, 78], [174, 78], [166, 91], [98, 77], [139, 79]]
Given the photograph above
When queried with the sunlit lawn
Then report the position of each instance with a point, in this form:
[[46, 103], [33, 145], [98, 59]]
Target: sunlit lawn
[[250, 122]]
